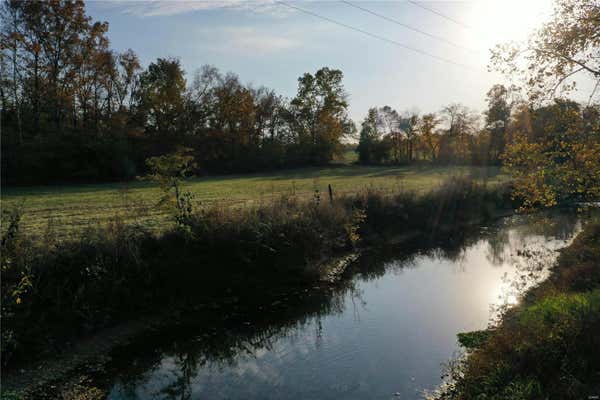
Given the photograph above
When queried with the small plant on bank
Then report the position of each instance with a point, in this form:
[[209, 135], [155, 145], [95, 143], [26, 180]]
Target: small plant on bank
[[168, 171], [16, 278]]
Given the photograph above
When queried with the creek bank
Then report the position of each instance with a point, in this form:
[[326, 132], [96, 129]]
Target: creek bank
[[390, 288], [78, 371], [547, 345], [73, 371], [122, 272]]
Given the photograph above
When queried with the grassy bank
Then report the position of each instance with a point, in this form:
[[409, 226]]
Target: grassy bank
[[69, 210], [57, 289], [547, 347]]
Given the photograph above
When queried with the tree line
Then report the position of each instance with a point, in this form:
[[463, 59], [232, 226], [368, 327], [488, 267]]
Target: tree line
[[74, 109], [458, 135], [451, 136]]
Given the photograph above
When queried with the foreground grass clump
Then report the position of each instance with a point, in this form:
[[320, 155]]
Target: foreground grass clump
[[547, 347], [55, 289]]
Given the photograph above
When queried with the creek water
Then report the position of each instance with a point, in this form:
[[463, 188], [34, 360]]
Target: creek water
[[385, 331]]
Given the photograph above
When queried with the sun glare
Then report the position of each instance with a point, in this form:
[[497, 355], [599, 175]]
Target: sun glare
[[493, 22]]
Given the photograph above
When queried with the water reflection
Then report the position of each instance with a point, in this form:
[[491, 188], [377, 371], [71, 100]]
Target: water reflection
[[384, 329]]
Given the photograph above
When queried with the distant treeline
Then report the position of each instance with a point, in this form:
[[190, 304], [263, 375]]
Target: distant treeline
[[457, 135], [74, 109]]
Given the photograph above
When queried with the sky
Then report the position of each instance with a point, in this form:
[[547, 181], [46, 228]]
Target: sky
[[271, 44]]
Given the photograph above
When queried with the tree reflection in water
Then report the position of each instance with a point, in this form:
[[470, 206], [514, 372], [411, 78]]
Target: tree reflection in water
[[215, 338]]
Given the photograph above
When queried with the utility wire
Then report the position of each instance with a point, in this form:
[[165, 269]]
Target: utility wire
[[431, 10], [373, 35], [593, 92], [395, 21]]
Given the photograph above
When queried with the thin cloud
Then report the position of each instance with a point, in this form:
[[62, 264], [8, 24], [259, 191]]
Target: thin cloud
[[263, 43], [249, 40], [161, 8]]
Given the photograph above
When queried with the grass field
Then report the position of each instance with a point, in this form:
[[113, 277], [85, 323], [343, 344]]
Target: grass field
[[67, 210]]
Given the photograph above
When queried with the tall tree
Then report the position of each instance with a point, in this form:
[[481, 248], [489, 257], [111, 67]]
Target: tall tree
[[161, 96], [233, 115], [93, 65], [126, 79], [497, 119], [62, 23], [369, 143], [12, 39], [430, 140], [408, 124], [388, 121], [202, 95], [554, 154], [460, 122], [319, 113], [267, 105]]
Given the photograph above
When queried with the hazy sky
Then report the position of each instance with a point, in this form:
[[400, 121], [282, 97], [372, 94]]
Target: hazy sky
[[269, 44]]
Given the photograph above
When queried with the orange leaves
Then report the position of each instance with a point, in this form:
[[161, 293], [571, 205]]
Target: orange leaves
[[559, 164]]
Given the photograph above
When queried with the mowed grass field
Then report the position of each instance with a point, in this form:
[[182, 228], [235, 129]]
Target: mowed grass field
[[69, 210]]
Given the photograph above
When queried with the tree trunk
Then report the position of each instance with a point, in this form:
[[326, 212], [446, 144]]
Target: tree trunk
[[36, 93], [16, 92]]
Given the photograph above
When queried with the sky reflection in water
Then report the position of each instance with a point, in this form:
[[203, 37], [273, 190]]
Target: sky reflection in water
[[386, 330]]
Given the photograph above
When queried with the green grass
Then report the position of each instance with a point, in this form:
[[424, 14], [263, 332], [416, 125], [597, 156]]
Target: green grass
[[70, 209]]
